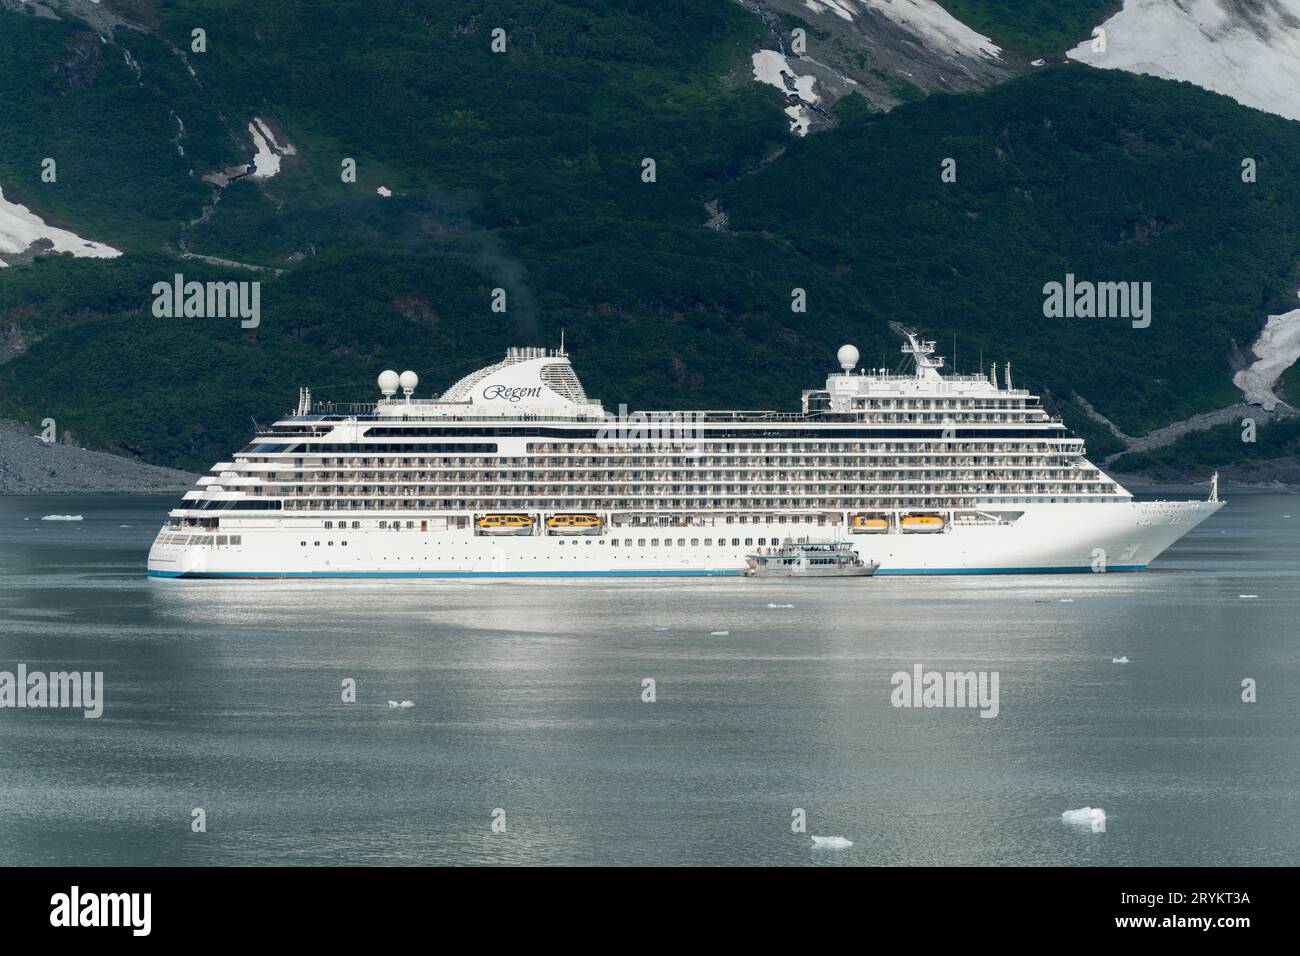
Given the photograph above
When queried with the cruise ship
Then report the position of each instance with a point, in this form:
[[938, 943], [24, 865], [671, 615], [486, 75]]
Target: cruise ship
[[515, 471]]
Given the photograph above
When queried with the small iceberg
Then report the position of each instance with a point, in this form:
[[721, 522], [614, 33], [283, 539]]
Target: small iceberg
[[1247, 596], [404, 705], [1085, 816], [62, 518], [780, 605], [718, 633], [1066, 601], [1119, 660], [384, 191], [832, 843]]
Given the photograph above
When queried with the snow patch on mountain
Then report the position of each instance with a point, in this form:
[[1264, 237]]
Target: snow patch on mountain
[[20, 227], [266, 163], [935, 26], [1276, 350], [1246, 49], [771, 67]]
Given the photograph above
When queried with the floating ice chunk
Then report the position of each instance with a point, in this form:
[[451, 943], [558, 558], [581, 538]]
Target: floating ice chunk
[[62, 518], [384, 191], [1067, 600], [718, 633], [1085, 816], [1037, 62], [1119, 660], [404, 705], [780, 605], [1247, 596], [832, 843]]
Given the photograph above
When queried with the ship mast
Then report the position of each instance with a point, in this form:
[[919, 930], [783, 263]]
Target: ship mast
[[927, 365]]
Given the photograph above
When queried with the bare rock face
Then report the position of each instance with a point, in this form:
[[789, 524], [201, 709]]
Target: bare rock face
[[889, 51], [82, 61]]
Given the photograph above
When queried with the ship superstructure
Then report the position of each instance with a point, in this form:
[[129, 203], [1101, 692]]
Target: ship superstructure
[[514, 470]]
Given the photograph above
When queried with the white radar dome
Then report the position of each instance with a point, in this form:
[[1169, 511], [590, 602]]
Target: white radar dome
[[388, 382], [408, 380], [848, 357]]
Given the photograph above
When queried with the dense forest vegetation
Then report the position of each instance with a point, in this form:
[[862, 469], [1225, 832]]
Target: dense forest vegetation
[[523, 170]]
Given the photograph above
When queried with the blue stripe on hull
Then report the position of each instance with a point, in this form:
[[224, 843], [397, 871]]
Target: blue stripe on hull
[[1067, 570], [596, 574]]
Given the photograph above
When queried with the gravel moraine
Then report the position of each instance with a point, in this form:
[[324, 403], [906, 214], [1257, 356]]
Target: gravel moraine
[[28, 466]]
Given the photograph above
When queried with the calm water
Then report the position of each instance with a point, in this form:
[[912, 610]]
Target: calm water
[[226, 696]]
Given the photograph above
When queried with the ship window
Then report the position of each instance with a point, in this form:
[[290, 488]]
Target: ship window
[[236, 539], [695, 542], [316, 544], [383, 524], [708, 542], [303, 543], [749, 542], [627, 542], [331, 544], [614, 542], [329, 525], [640, 542], [343, 544], [355, 524], [222, 539], [654, 542], [735, 542]]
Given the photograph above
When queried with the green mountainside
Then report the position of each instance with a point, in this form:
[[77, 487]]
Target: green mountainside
[[523, 170]]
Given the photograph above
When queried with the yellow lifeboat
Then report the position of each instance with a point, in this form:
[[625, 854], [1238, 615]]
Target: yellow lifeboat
[[573, 524], [913, 523], [505, 524], [868, 524]]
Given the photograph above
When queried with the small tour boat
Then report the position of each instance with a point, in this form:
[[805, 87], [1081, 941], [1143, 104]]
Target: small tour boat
[[831, 560]]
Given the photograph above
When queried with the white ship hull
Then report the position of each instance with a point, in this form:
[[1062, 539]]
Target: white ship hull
[[1046, 538]]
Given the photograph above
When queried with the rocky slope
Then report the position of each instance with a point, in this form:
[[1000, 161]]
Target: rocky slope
[[29, 466]]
